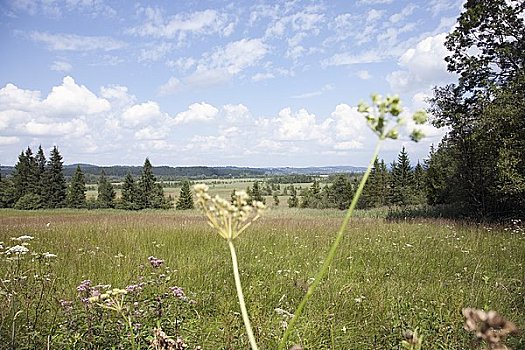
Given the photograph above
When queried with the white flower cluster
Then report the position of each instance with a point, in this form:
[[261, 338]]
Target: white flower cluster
[[230, 219]]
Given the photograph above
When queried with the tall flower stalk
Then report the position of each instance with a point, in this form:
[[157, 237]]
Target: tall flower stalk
[[230, 219], [384, 117]]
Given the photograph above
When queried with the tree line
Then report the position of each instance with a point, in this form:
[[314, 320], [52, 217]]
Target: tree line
[[38, 183], [479, 166]]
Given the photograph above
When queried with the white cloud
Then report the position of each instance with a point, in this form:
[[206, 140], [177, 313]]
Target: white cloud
[[300, 126], [61, 66], [142, 113], [151, 133], [75, 128], [226, 62], [235, 113], [404, 13], [319, 92], [263, 76], [423, 66], [12, 97], [197, 112], [363, 74], [72, 99], [8, 140], [348, 145], [155, 52], [172, 85], [73, 42], [199, 22], [349, 58], [182, 63], [349, 123]]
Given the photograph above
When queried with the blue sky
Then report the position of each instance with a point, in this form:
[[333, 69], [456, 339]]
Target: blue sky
[[214, 83]]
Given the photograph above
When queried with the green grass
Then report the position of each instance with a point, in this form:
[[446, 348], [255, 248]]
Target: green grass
[[387, 276]]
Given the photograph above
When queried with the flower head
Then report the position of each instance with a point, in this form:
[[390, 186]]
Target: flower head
[[230, 219], [17, 249]]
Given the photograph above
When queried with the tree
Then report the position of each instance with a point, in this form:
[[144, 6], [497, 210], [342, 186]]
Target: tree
[[129, 193], [106, 192], [293, 201], [402, 180], [256, 194], [24, 175], [40, 159], [276, 198], [484, 110], [54, 184], [76, 196], [340, 192], [186, 198], [146, 186]]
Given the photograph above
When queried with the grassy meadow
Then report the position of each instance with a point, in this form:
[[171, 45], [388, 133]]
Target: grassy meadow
[[387, 277]]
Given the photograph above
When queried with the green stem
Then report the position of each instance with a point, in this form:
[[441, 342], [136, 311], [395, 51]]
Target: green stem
[[331, 253], [244, 312]]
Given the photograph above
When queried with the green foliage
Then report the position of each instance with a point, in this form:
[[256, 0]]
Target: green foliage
[[106, 192], [129, 198], [54, 192], [186, 197], [30, 201], [293, 200], [402, 180], [76, 196], [480, 162], [256, 194]]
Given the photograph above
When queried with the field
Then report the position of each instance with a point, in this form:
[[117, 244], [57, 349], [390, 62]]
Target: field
[[387, 277]]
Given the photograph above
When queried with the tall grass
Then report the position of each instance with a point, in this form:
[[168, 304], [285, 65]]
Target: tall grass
[[391, 276]]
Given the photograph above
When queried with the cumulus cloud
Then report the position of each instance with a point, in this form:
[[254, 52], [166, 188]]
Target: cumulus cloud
[[197, 112], [235, 113], [300, 126], [70, 98], [363, 74], [75, 128], [170, 87], [423, 66], [142, 113], [349, 58], [8, 140], [151, 133]]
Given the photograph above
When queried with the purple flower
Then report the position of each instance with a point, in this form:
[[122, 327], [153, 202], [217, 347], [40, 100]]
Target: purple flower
[[134, 287], [178, 292], [66, 304], [84, 286], [155, 262]]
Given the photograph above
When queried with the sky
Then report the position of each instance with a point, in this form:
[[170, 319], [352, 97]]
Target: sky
[[215, 83]]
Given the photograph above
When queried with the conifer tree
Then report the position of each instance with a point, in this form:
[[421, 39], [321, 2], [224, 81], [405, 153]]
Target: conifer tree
[[256, 194], [40, 159], [106, 192], [76, 196], [186, 198], [293, 201], [54, 187], [146, 186], [129, 193], [341, 192], [402, 180]]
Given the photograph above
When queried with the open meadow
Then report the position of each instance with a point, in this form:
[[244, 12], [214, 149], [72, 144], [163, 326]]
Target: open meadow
[[387, 277]]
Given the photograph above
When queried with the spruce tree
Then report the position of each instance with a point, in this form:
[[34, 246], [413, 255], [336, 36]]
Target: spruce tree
[[256, 193], [40, 159], [76, 196], [186, 198], [402, 180], [106, 192], [341, 192], [146, 186], [293, 201], [55, 188], [129, 193]]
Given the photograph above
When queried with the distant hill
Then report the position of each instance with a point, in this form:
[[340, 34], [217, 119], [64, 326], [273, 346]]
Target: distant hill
[[198, 172]]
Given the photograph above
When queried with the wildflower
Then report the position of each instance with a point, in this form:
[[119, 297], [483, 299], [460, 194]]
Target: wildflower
[[230, 219], [161, 341], [48, 255], [17, 249], [178, 292], [155, 262], [84, 286], [488, 326], [134, 287]]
